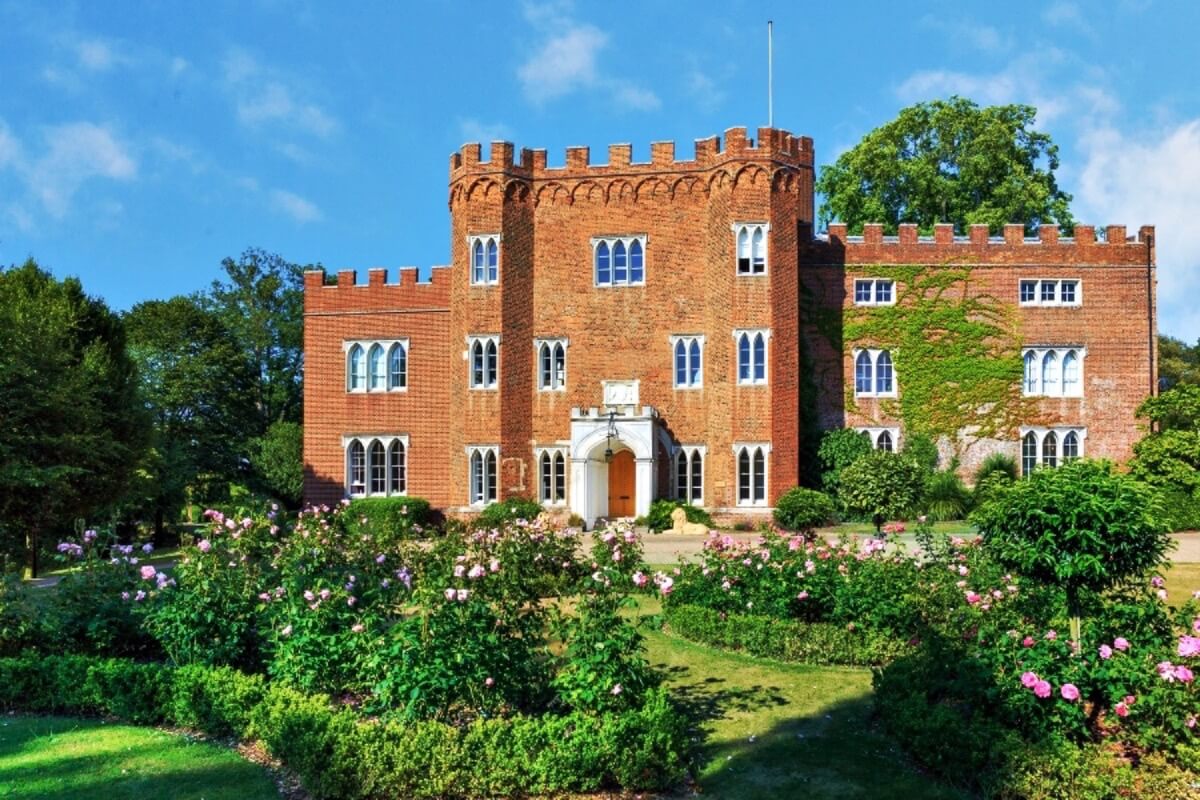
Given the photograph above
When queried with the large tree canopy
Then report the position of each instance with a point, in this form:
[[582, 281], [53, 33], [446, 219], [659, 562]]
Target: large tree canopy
[[948, 161], [70, 427], [1178, 362]]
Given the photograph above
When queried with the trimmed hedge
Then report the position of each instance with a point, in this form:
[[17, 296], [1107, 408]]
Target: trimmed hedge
[[339, 754], [392, 518], [785, 640], [659, 517]]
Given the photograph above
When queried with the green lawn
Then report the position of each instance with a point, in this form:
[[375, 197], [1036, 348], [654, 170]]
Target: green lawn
[[78, 759]]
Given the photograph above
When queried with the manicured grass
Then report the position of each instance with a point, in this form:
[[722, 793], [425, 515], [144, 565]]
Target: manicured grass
[[1182, 580], [952, 528], [774, 730], [78, 759]]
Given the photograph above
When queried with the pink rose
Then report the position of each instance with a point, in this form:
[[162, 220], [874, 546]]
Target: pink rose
[[1029, 679], [1070, 692], [803, 595], [148, 572], [1027, 641], [1121, 643], [449, 594], [972, 597], [1183, 674], [616, 690], [1051, 634], [1042, 689], [1189, 646], [1105, 652], [1122, 710], [489, 682]]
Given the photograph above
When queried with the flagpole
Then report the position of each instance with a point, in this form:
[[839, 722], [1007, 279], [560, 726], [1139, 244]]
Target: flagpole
[[770, 80]]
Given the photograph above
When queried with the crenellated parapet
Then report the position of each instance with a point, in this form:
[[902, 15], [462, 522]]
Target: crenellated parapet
[[1107, 246], [777, 154], [346, 294]]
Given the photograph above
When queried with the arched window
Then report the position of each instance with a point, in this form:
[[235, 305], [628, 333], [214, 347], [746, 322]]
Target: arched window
[[1070, 374], [681, 370], [758, 249], [696, 496], [883, 373], [378, 461], [1031, 373], [745, 366], [490, 476], [1050, 449], [681, 475], [478, 372], [560, 478], [560, 366], [552, 468], [493, 261], [546, 357], [694, 365], [397, 468], [1029, 453], [884, 442], [1050, 374], [376, 367], [744, 479], [743, 251], [477, 477], [862, 373], [603, 265], [492, 366], [620, 263], [547, 469], [1070, 450], [397, 367], [478, 275], [751, 475], [637, 271], [356, 369], [760, 476], [357, 468], [760, 358]]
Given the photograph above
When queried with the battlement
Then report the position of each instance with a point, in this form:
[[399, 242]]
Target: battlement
[[773, 144], [1111, 247], [346, 294]]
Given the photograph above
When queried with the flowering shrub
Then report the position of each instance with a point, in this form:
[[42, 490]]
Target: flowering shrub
[[390, 519], [19, 626], [802, 509]]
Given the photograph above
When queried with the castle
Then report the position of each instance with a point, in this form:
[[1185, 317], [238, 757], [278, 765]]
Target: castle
[[608, 334]]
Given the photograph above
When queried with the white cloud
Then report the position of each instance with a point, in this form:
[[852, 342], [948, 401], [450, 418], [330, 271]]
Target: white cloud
[[75, 153], [704, 90], [96, 55], [568, 61], [1136, 179], [295, 206], [969, 33], [264, 98], [10, 148], [473, 130]]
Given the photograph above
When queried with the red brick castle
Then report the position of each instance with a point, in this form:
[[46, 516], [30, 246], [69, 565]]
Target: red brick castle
[[608, 334]]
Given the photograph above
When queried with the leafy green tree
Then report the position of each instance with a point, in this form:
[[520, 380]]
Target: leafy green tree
[[278, 459], [839, 449], [800, 509], [196, 383], [71, 430], [948, 161], [922, 449], [1178, 363], [261, 302], [1169, 455], [881, 485], [1082, 527]]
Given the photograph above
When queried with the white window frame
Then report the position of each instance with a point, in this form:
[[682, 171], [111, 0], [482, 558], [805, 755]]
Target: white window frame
[[483, 239], [750, 229], [367, 440], [482, 339], [873, 283], [1060, 433], [1035, 388], [1057, 302], [693, 493], [558, 380], [687, 339], [553, 452], [875, 432], [611, 241], [490, 493], [751, 333], [873, 354], [366, 345], [751, 448]]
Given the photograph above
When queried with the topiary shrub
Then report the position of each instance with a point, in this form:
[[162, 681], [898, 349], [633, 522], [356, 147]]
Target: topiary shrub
[[997, 463], [881, 486], [659, 517], [510, 510], [390, 519], [802, 509], [946, 497], [839, 449], [922, 449]]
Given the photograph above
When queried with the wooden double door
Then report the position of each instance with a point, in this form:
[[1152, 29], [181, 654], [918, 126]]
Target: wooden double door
[[621, 483]]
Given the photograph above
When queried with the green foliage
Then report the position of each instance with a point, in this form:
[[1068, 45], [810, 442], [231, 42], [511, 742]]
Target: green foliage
[[839, 449], [1178, 362], [1170, 459], [1082, 527], [390, 519], [659, 517], [510, 510], [881, 486], [1001, 463], [1177, 409], [800, 509], [948, 161], [20, 623], [946, 497], [72, 430], [921, 448], [278, 458], [786, 640], [604, 666]]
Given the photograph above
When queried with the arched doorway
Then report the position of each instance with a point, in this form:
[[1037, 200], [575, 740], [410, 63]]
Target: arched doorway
[[622, 493]]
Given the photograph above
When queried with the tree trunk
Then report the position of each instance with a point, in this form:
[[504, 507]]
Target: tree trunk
[[31, 552]]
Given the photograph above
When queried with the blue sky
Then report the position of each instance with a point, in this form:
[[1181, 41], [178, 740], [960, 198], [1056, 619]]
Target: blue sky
[[142, 143]]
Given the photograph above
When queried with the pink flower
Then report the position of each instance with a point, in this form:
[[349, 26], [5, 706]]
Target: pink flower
[[616, 690], [350, 601], [309, 596], [1157, 582], [462, 595], [1166, 671], [124, 595], [1162, 595], [1027, 641], [357, 627], [489, 682], [1042, 689], [1122, 710], [449, 594], [803, 595], [204, 545], [459, 570], [494, 565], [1105, 652], [1029, 679], [1070, 692], [1130, 700], [379, 559], [1121, 643], [639, 579], [148, 573], [1051, 634], [286, 632], [324, 594], [1191, 721], [477, 572], [972, 597], [1189, 646], [1184, 675]]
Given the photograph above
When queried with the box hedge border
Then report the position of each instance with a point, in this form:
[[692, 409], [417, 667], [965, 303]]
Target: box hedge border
[[820, 643], [339, 754]]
